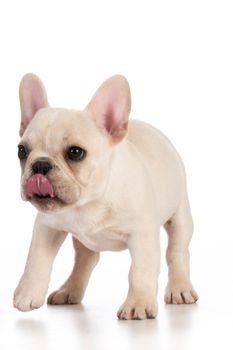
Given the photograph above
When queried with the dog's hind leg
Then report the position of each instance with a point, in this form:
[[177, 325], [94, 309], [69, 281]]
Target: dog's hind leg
[[179, 229], [72, 291]]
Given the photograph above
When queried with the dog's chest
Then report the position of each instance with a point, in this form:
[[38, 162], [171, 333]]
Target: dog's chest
[[98, 228]]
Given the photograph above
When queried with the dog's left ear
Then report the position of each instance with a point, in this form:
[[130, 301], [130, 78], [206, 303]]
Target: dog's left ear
[[110, 107], [32, 97]]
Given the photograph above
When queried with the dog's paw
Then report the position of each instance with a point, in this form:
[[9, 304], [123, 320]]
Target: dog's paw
[[180, 293], [64, 296], [27, 298], [137, 310]]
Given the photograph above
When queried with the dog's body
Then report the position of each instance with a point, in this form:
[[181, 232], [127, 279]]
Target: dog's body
[[129, 183], [107, 222]]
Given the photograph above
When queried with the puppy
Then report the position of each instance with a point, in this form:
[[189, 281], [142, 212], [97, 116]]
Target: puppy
[[111, 183]]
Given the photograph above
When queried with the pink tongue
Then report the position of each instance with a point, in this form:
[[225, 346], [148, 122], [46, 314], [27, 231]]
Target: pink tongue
[[39, 185]]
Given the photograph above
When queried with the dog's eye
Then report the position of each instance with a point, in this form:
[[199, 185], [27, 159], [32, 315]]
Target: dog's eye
[[76, 153], [22, 152]]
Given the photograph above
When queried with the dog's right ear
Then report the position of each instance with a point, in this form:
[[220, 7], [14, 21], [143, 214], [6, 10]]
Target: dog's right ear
[[32, 96]]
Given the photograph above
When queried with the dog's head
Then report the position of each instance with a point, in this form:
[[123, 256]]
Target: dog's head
[[66, 155]]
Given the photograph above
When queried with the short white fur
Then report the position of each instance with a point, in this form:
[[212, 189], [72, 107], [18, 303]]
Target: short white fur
[[133, 183]]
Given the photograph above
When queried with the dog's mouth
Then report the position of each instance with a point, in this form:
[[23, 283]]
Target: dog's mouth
[[40, 192]]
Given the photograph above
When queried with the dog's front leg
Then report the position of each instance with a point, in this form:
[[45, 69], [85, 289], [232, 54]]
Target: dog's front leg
[[33, 285], [141, 299]]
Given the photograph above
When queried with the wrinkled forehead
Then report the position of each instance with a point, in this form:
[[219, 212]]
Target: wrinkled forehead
[[53, 128]]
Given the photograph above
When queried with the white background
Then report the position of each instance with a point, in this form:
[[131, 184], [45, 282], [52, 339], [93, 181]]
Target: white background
[[178, 58]]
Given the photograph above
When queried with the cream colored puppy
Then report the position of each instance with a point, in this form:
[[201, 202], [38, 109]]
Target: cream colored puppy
[[110, 183]]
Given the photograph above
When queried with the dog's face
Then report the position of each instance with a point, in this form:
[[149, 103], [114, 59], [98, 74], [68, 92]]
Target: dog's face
[[66, 155]]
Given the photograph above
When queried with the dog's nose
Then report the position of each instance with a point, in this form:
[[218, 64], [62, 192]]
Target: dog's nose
[[41, 167]]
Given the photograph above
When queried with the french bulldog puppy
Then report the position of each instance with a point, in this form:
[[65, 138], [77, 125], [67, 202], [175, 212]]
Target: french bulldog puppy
[[111, 183]]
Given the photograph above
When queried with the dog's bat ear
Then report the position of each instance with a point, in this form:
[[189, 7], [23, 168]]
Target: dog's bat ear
[[32, 96], [110, 107]]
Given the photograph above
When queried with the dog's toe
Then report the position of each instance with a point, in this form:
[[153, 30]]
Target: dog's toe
[[136, 311], [177, 293], [28, 297], [27, 302], [62, 297]]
